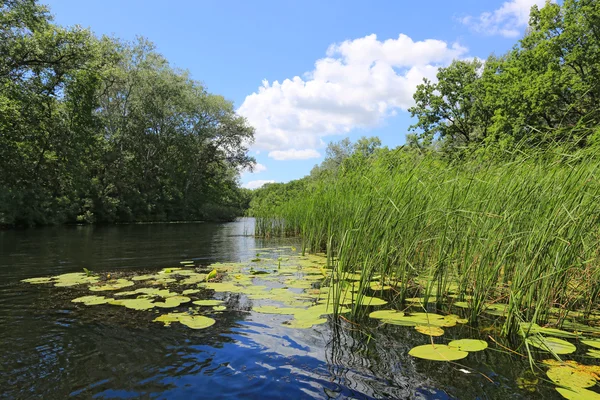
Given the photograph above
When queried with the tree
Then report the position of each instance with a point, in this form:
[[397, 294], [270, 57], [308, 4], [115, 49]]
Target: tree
[[452, 109]]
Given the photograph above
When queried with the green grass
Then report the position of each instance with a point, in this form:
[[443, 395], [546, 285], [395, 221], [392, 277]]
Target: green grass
[[521, 230]]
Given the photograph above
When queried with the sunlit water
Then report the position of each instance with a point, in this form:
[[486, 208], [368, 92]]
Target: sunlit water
[[51, 348]]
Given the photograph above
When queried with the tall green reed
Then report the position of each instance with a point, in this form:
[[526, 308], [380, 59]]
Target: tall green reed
[[520, 230]]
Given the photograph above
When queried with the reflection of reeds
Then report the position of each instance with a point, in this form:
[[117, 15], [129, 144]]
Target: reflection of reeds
[[522, 231]]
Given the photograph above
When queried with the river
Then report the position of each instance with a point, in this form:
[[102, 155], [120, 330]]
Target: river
[[51, 348]]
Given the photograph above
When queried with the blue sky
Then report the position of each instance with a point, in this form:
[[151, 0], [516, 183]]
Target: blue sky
[[305, 73]]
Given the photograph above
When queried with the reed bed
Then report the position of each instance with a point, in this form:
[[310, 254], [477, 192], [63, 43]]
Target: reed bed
[[521, 230]]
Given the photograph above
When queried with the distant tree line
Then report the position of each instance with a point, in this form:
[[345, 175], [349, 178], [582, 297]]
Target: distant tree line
[[94, 129]]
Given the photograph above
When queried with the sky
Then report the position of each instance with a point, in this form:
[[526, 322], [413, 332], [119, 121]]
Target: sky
[[306, 73]]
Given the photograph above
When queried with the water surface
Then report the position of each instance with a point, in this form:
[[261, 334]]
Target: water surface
[[51, 348]]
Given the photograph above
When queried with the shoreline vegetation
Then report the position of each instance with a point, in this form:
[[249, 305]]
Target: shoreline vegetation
[[493, 203], [96, 129]]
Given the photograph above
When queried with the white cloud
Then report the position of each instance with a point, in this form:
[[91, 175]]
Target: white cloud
[[258, 168], [257, 184], [293, 154], [357, 85], [508, 20]]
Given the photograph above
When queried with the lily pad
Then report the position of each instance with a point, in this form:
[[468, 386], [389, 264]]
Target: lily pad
[[37, 281], [171, 302], [134, 304], [196, 321], [219, 308], [469, 344], [593, 353], [208, 302], [437, 352], [429, 319], [115, 284], [91, 300], [570, 377], [530, 329], [386, 314], [593, 343], [555, 345], [578, 394], [429, 330]]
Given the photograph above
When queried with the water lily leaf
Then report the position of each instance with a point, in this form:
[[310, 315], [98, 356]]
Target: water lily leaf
[[219, 308], [114, 284], [143, 277], [593, 353], [134, 304], [530, 329], [211, 275], [461, 304], [469, 344], [171, 302], [429, 330], [593, 343], [370, 301], [386, 314], [437, 352], [196, 321], [578, 394], [376, 286], [74, 278], [497, 309], [428, 319], [555, 345], [37, 281], [190, 291], [208, 302], [570, 377], [187, 262], [528, 381], [168, 270], [91, 300]]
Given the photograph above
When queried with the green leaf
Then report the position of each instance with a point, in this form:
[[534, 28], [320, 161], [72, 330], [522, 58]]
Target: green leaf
[[469, 344], [437, 352], [551, 344]]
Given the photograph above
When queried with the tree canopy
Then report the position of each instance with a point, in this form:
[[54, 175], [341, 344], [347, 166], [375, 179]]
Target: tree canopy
[[97, 129]]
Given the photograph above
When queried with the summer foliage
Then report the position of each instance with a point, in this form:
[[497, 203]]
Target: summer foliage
[[494, 202], [96, 129]]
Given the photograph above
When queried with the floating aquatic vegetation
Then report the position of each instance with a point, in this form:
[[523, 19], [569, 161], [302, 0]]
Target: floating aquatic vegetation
[[36, 281], [219, 308], [469, 345], [191, 321], [531, 329], [425, 319], [578, 394], [92, 300], [114, 284], [172, 302], [190, 291], [144, 277], [386, 314], [592, 342], [528, 381], [135, 304], [429, 330], [557, 346], [437, 352], [304, 324], [208, 302], [571, 377]]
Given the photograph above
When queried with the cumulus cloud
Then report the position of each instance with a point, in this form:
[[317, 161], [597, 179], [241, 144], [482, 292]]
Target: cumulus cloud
[[256, 184], [258, 167], [358, 84], [293, 154], [508, 20]]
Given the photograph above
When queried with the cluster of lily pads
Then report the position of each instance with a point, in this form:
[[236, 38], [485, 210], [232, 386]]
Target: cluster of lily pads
[[300, 286]]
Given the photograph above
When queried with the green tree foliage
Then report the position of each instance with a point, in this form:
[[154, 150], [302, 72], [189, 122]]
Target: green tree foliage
[[94, 129], [545, 90]]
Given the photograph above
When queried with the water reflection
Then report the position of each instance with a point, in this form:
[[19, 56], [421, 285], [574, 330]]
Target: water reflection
[[51, 348]]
